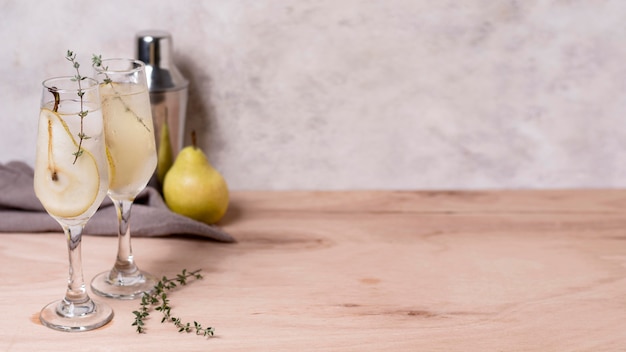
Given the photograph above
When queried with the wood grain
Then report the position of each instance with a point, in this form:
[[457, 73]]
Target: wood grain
[[360, 271]]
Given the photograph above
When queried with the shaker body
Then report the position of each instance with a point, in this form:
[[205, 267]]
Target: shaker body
[[170, 108], [167, 86]]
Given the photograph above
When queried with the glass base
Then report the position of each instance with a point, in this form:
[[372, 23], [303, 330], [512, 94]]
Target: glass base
[[64, 316], [119, 286]]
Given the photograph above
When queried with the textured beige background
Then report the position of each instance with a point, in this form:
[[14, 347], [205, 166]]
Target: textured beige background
[[346, 94]]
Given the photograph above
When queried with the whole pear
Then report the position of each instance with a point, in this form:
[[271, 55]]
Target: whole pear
[[194, 188]]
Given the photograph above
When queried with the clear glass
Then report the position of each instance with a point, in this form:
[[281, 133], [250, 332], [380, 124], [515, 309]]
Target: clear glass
[[131, 152], [71, 180]]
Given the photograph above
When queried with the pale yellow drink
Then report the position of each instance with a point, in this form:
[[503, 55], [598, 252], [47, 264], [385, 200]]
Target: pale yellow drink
[[129, 139], [70, 187]]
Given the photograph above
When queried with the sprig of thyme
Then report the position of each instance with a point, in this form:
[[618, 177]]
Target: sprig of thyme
[[96, 61], [159, 301], [71, 57]]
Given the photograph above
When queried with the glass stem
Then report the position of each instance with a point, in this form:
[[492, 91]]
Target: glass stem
[[76, 293], [124, 264]]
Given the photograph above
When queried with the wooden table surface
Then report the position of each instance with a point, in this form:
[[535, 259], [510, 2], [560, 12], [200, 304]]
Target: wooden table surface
[[359, 271]]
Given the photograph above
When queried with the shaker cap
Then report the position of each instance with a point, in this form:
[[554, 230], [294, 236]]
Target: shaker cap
[[154, 48]]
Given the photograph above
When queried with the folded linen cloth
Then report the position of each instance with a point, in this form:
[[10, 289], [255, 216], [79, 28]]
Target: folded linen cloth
[[21, 211]]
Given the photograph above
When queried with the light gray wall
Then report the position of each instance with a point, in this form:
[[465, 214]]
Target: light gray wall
[[347, 94]]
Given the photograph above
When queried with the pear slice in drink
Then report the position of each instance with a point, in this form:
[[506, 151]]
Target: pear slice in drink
[[111, 165], [65, 187]]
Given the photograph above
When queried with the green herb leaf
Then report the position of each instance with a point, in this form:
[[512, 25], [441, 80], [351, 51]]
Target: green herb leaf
[[159, 301], [71, 56]]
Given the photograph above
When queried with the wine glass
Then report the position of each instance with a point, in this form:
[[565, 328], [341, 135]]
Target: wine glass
[[70, 180], [131, 151]]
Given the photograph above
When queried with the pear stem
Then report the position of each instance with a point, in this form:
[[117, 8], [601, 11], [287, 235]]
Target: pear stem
[[193, 139]]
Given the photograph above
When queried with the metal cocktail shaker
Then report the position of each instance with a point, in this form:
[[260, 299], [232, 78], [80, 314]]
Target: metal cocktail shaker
[[168, 88]]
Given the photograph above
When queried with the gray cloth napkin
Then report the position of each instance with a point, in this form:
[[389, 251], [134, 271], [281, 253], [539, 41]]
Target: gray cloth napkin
[[21, 211]]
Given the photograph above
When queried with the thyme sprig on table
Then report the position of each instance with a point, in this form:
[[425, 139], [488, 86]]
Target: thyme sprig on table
[[159, 301], [71, 57]]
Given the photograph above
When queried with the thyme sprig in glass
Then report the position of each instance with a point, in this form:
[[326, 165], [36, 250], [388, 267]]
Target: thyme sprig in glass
[[96, 61], [71, 57], [159, 300]]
